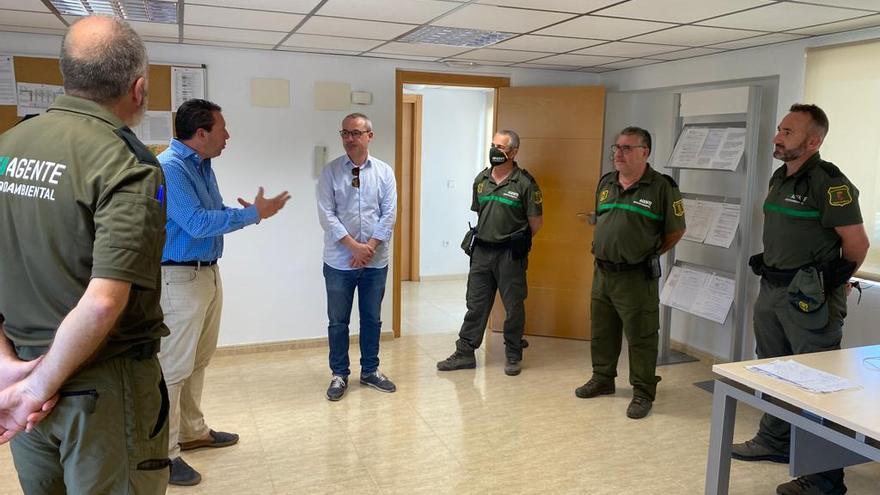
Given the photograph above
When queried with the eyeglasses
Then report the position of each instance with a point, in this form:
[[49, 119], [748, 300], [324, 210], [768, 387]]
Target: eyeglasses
[[355, 133], [356, 180], [625, 148]]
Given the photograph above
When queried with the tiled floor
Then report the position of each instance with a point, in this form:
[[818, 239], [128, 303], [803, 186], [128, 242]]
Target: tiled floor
[[464, 432]]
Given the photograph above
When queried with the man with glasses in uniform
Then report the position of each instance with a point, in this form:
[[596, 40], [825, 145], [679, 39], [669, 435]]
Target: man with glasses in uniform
[[357, 206], [639, 216], [509, 206]]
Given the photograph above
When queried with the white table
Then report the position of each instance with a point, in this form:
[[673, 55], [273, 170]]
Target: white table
[[828, 431]]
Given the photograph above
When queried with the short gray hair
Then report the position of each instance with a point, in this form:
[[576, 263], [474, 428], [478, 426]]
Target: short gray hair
[[104, 70], [514, 138], [358, 115]]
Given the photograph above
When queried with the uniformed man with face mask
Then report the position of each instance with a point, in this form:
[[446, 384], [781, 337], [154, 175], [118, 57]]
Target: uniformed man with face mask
[[508, 203]]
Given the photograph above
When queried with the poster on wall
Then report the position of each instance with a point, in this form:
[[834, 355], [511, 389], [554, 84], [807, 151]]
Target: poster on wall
[[7, 81], [36, 98], [154, 128], [186, 83]]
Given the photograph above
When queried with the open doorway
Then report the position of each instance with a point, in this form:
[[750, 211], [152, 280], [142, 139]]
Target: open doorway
[[444, 126]]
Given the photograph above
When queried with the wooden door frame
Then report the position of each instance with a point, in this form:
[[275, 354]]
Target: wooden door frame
[[416, 182], [434, 78]]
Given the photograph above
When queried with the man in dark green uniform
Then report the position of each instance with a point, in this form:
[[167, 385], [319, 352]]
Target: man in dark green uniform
[[508, 203], [814, 240], [82, 220], [639, 215]]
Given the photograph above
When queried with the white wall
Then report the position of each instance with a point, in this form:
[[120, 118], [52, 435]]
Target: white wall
[[787, 61], [274, 289], [454, 148]]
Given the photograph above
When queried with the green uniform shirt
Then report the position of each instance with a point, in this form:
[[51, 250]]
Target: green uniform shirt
[[801, 211], [630, 224], [503, 209], [80, 197]]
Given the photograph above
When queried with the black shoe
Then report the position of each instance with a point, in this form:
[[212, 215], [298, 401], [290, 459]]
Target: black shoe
[[810, 485], [338, 386], [753, 450], [594, 388], [513, 367], [378, 381], [458, 361], [182, 474], [638, 408]]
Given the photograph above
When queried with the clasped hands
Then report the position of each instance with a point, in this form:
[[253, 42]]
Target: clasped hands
[[21, 407]]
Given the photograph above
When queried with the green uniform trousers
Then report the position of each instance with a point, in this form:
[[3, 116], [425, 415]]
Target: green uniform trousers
[[493, 268], [626, 303], [777, 335], [108, 434]]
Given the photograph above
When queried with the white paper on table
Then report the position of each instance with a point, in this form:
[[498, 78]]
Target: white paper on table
[[726, 224], [36, 98], [186, 83], [7, 81], [731, 149], [700, 217], [802, 376], [688, 147], [700, 293], [155, 128]]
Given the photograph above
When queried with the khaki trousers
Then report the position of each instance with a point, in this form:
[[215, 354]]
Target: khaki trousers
[[192, 300]]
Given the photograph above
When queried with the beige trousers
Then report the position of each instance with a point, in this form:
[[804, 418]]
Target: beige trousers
[[192, 300]]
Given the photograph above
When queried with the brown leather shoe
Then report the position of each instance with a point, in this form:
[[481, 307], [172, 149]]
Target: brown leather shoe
[[215, 440], [638, 408]]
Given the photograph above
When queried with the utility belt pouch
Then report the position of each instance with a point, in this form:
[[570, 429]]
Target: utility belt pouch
[[837, 273], [470, 238], [652, 267], [520, 244], [756, 263]]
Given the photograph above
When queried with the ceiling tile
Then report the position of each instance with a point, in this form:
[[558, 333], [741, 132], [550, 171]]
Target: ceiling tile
[[414, 11], [240, 18], [159, 39], [317, 50], [625, 49], [604, 28], [783, 17], [30, 19], [156, 29], [853, 4], [296, 6], [476, 62], [230, 44], [206, 33], [335, 26], [492, 18], [529, 65], [765, 39], [694, 36], [502, 55], [633, 62], [415, 58], [545, 43], [577, 60], [683, 11], [32, 30], [330, 42], [435, 51], [689, 53], [837, 27], [32, 5], [596, 70], [574, 6]]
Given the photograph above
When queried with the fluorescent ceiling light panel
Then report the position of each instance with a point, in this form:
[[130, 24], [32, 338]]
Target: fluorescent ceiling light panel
[[130, 10], [451, 36]]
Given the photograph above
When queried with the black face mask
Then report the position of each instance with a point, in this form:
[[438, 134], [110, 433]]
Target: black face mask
[[496, 157]]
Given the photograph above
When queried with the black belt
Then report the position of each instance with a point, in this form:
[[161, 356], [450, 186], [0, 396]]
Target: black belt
[[778, 277], [491, 245], [618, 267], [197, 264]]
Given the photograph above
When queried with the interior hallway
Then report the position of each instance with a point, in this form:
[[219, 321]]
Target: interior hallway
[[464, 432]]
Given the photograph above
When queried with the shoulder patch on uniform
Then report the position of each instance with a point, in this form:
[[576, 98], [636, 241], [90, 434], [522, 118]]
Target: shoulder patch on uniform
[[143, 154], [678, 208], [480, 188], [603, 195], [839, 195], [670, 180], [539, 198], [830, 169]]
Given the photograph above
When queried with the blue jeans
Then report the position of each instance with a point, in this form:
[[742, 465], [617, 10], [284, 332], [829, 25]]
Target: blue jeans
[[370, 284]]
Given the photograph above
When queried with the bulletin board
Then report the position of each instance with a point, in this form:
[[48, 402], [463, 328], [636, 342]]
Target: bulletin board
[[40, 70]]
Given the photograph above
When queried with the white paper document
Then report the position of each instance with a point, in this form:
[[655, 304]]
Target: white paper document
[[186, 83], [155, 128], [724, 229], [811, 379], [7, 81], [698, 292], [705, 148], [710, 222], [36, 98]]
